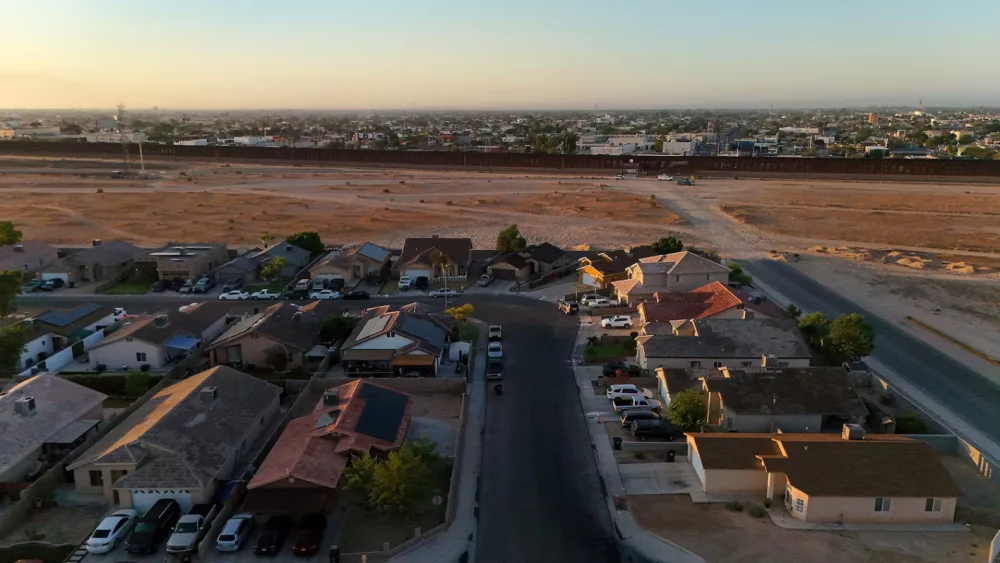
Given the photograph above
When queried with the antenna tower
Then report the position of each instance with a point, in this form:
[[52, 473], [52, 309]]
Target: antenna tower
[[120, 118]]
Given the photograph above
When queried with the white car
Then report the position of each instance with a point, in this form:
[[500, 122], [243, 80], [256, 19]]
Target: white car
[[111, 531], [494, 350], [628, 390], [266, 294], [665, 177], [496, 332], [120, 314], [601, 302], [404, 283], [235, 295], [617, 321], [586, 299], [325, 294], [446, 292], [235, 533], [620, 177]]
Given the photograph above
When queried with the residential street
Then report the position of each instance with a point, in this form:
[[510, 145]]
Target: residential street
[[963, 391]]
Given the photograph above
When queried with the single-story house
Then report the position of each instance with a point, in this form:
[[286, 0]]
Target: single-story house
[[394, 343], [188, 261], [241, 269], [512, 266], [182, 442], [367, 260], [43, 419], [725, 342], [302, 471], [533, 261], [27, 256], [676, 272], [417, 258], [103, 261], [160, 338], [713, 300], [281, 330], [837, 478], [599, 271], [57, 329], [813, 399], [296, 258]]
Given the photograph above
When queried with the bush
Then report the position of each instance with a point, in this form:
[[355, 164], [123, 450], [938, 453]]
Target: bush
[[100, 190], [767, 503], [132, 385], [909, 423], [757, 511], [734, 505]]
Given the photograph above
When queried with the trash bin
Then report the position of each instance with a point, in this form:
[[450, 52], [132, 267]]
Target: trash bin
[[617, 443], [334, 554], [671, 454]]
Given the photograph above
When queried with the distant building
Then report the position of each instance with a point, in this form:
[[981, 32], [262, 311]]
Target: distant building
[[134, 137], [192, 143], [6, 133], [641, 142], [873, 119], [614, 150], [36, 132], [681, 147], [253, 140], [800, 130], [365, 137]]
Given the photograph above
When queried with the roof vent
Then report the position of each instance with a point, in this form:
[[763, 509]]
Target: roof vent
[[161, 321], [853, 432], [330, 398], [209, 394], [25, 406]]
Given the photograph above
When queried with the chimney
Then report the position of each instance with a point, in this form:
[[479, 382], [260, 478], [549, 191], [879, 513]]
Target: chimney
[[95, 242], [161, 321], [853, 432], [330, 398], [25, 406], [209, 394], [769, 361], [18, 248]]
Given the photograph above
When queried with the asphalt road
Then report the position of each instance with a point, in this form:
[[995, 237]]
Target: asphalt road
[[539, 494], [963, 391]]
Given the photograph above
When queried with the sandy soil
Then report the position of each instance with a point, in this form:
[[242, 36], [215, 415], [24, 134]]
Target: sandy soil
[[723, 536]]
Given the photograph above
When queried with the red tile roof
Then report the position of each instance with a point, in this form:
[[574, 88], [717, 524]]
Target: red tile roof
[[699, 303]]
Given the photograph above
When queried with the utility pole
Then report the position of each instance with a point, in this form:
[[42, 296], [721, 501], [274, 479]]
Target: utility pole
[[120, 118]]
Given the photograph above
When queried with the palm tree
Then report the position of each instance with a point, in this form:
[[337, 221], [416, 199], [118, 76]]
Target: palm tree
[[441, 260], [265, 238]]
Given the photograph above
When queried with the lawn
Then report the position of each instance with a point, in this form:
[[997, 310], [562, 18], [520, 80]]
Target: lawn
[[389, 287], [275, 285], [604, 352], [128, 288]]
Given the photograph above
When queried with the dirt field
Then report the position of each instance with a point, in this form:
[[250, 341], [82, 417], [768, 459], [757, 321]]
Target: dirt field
[[723, 536]]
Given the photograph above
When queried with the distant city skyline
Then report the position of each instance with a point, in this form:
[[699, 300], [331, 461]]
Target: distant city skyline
[[518, 55]]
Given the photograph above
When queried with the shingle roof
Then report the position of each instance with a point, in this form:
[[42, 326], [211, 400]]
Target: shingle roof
[[27, 256], [279, 323], [58, 403], [514, 259], [726, 450], [429, 334], [373, 252], [107, 254], [190, 320], [816, 390], [459, 250], [545, 252], [731, 338], [616, 266], [177, 422]]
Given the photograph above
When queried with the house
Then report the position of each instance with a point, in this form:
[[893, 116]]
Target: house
[[158, 339], [819, 478], [100, 262], [279, 337], [302, 471], [296, 258], [725, 342], [393, 343], [367, 260], [58, 329], [676, 272], [813, 399], [418, 256], [599, 271], [43, 419], [27, 256], [713, 300], [531, 262], [188, 261], [241, 269], [182, 442]]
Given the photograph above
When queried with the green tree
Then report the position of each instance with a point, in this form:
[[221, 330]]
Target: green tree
[[966, 139], [667, 245], [815, 327], [336, 328], [510, 240], [851, 337], [307, 240], [425, 449], [266, 238], [8, 234], [687, 410], [737, 275], [460, 313], [137, 383], [358, 476], [10, 286], [12, 342], [568, 144], [401, 484], [658, 145], [794, 311], [273, 268]]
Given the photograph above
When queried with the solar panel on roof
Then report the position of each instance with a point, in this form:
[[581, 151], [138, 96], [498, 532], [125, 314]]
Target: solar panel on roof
[[63, 318], [383, 412]]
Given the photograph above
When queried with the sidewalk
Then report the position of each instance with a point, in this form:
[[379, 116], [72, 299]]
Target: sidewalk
[[459, 538], [648, 545], [782, 519]]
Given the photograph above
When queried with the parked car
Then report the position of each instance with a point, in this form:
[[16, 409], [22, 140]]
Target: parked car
[[309, 535], [685, 182], [494, 368], [600, 303], [620, 177], [665, 178], [305, 284], [32, 286], [405, 283], [235, 533], [52, 284], [266, 294], [627, 390], [175, 284], [485, 280], [617, 321], [624, 403], [444, 292], [631, 415], [319, 284], [569, 307], [586, 299], [229, 286], [421, 282], [273, 534], [494, 350], [235, 295], [325, 294], [357, 294], [297, 294], [653, 428], [191, 528], [609, 369], [203, 285], [159, 285], [336, 284], [496, 332], [111, 531], [153, 526], [186, 287]]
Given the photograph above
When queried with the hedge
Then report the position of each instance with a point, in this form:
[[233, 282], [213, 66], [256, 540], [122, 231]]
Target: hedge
[[114, 385]]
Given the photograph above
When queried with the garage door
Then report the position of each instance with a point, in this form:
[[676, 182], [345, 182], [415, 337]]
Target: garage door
[[503, 273], [414, 274], [587, 279], [63, 277], [142, 500]]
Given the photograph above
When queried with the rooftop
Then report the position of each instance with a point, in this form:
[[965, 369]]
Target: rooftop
[[731, 338], [814, 390]]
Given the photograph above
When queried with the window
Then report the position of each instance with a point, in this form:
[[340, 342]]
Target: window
[[708, 277], [800, 505], [882, 504], [140, 356], [696, 364], [717, 364], [932, 505], [729, 423], [96, 479], [129, 339], [678, 278]]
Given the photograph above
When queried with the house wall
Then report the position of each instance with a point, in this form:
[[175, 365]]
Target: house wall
[[123, 353], [685, 363], [600, 280], [188, 267], [32, 349], [230, 274], [862, 509], [384, 342], [81, 478], [687, 282], [699, 469], [736, 481], [346, 271], [254, 351], [520, 274], [768, 423]]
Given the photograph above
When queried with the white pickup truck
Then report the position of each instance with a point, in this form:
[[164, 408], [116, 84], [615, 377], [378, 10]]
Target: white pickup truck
[[625, 403]]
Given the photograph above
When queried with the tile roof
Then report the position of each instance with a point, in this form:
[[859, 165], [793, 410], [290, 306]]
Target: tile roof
[[630, 286], [26, 258], [814, 390], [178, 422], [731, 450], [459, 250], [59, 403], [663, 312], [731, 338]]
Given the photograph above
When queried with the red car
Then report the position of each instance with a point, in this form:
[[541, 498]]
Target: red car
[[308, 535]]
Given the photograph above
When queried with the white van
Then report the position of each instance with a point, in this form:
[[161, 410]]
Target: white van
[[303, 284]]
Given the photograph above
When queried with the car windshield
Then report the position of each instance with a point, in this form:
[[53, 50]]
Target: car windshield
[[227, 537], [187, 528]]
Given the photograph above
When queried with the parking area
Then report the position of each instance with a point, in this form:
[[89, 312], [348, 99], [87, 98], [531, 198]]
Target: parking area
[[658, 478]]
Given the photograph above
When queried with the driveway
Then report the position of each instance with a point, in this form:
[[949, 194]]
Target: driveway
[[675, 478]]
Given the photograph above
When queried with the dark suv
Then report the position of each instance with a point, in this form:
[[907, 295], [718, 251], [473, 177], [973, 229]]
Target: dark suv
[[609, 369], [153, 526], [421, 282]]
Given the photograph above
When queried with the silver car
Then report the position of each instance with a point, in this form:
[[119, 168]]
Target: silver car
[[235, 533], [111, 531]]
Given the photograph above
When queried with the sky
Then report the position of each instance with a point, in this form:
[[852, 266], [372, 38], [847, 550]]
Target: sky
[[515, 54]]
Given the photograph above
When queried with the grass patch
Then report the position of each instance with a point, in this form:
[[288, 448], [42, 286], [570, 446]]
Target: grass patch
[[389, 287], [275, 285], [128, 288], [605, 352], [46, 553]]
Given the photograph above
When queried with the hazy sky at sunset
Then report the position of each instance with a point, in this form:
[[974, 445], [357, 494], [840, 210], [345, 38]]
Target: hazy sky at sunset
[[339, 54]]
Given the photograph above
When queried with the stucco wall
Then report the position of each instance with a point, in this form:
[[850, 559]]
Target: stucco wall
[[254, 351], [687, 282], [685, 363], [384, 342], [81, 478], [123, 353], [736, 481], [862, 509], [768, 423], [31, 349]]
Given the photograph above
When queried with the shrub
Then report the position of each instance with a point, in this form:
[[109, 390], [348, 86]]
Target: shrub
[[734, 505], [909, 423], [402, 181], [449, 202], [757, 511], [767, 503], [100, 190], [633, 335], [385, 191]]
